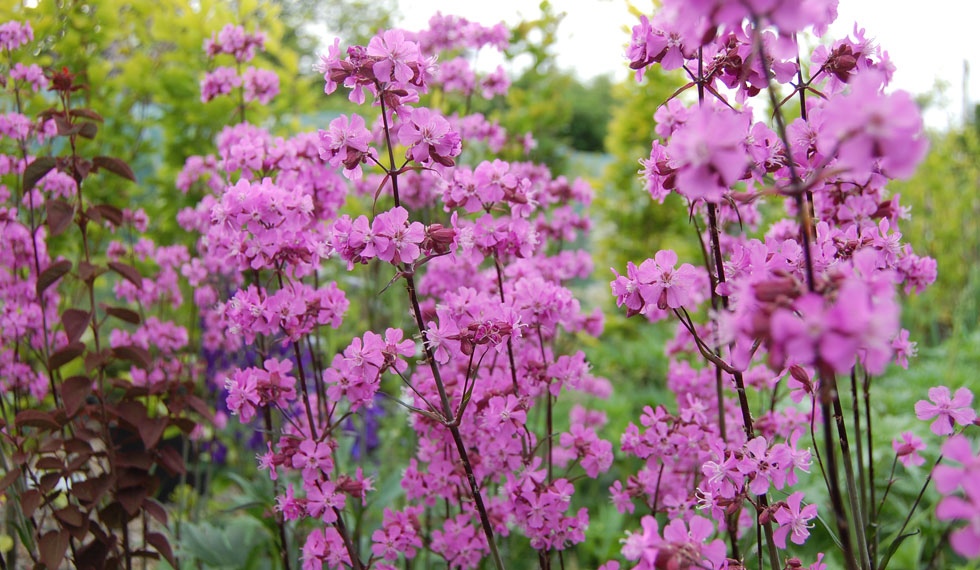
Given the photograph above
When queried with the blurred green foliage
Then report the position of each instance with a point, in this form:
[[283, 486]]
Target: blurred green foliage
[[630, 225], [944, 197], [143, 62]]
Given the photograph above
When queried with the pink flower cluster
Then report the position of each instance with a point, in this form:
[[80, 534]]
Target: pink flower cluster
[[814, 295], [235, 41], [257, 84], [31, 74], [15, 34], [965, 540], [487, 276]]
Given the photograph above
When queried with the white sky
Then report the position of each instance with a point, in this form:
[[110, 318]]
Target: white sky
[[927, 41]]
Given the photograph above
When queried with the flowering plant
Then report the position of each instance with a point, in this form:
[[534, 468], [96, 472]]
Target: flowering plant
[[782, 159]]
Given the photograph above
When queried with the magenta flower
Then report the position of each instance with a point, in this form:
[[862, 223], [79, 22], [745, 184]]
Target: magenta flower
[[946, 410], [260, 85], [709, 153], [395, 347], [657, 173], [949, 477], [402, 239], [313, 457], [346, 142], [504, 411], [398, 535], [430, 138], [868, 127], [395, 54], [904, 348], [690, 546], [324, 547], [627, 289], [15, 34], [277, 385], [290, 507], [221, 81], [243, 394], [793, 520], [664, 285], [907, 449], [323, 499], [33, 75], [653, 42], [964, 540], [643, 546]]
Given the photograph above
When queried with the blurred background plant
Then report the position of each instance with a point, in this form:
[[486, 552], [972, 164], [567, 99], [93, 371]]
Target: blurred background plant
[[145, 61]]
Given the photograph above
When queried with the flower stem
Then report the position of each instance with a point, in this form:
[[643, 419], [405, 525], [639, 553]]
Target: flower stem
[[434, 367], [866, 388], [454, 430], [510, 345], [852, 492]]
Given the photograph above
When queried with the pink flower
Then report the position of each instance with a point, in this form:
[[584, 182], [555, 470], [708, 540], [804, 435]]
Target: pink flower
[[290, 507], [965, 540], [277, 386], [323, 499], [946, 410], [324, 547], [430, 138], [627, 289], [395, 54], [260, 85], [504, 411], [904, 348], [868, 127], [708, 152], [346, 142], [32, 74], [691, 541], [313, 458], [645, 545], [793, 520], [395, 347], [15, 34], [664, 285], [221, 81], [907, 449], [234, 40], [398, 535], [402, 238], [949, 477], [243, 394]]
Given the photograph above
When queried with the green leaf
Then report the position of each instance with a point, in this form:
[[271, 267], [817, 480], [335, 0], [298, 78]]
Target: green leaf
[[893, 548]]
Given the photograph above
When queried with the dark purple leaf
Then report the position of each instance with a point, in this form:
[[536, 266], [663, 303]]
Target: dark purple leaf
[[75, 321], [127, 271], [60, 214], [36, 170], [51, 274], [115, 166]]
